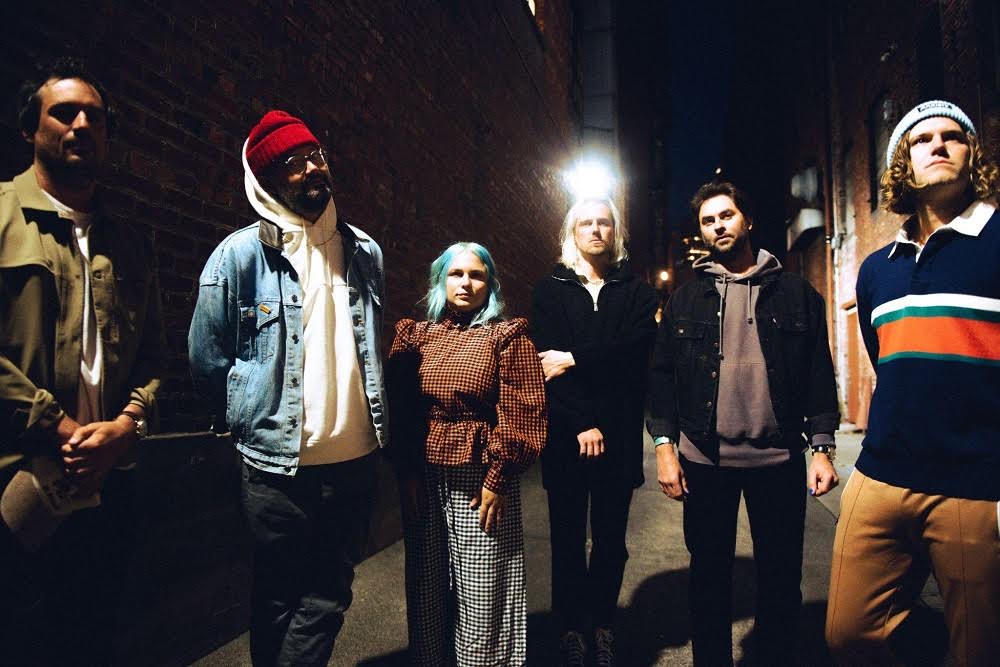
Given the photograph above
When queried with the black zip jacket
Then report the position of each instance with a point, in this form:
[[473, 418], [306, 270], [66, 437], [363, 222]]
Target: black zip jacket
[[791, 325], [606, 388]]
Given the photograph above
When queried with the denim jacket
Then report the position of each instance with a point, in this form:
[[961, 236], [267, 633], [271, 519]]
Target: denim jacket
[[791, 325], [245, 342]]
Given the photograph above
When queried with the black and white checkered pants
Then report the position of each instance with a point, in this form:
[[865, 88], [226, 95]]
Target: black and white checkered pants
[[465, 593]]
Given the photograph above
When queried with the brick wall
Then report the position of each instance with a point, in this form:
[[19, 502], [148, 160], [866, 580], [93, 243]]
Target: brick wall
[[445, 120], [827, 72]]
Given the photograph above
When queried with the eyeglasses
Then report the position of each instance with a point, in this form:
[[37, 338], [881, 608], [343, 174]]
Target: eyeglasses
[[296, 164]]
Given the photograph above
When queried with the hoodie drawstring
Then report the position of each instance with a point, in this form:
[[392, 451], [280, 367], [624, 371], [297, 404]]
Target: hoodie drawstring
[[722, 307], [722, 313]]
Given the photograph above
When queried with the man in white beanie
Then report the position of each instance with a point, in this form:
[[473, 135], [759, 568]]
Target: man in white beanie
[[924, 497], [285, 341]]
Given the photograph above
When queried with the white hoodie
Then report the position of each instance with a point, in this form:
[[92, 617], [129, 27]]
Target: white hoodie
[[336, 420]]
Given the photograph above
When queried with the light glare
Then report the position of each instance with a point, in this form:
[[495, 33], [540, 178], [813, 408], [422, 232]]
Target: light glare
[[589, 180]]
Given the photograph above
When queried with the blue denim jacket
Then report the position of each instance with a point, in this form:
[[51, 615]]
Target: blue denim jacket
[[245, 342]]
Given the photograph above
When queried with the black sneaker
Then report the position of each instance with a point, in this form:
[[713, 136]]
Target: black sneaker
[[572, 650], [604, 647]]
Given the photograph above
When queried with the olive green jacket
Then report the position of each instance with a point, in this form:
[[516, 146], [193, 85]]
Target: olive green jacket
[[41, 317]]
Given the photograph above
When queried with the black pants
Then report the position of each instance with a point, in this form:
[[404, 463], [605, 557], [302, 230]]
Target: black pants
[[309, 531], [776, 501], [59, 605], [579, 591]]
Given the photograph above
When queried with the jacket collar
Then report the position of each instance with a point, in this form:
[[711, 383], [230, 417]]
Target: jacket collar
[[270, 234], [620, 272], [31, 196], [29, 193]]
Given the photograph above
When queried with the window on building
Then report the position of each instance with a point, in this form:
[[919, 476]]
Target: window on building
[[882, 117], [845, 191], [989, 39], [930, 59]]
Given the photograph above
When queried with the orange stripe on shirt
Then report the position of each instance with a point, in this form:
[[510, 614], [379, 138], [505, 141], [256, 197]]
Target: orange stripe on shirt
[[940, 335]]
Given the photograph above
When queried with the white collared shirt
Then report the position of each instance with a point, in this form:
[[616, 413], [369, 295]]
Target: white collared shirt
[[969, 222]]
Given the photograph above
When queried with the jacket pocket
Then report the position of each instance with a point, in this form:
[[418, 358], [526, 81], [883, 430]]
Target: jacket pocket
[[689, 342], [795, 347], [794, 323], [131, 304], [258, 330]]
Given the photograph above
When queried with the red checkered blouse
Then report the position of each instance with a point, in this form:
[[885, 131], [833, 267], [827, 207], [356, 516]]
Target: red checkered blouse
[[460, 394]]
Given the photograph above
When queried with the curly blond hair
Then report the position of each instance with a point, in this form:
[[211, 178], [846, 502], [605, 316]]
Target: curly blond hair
[[899, 189]]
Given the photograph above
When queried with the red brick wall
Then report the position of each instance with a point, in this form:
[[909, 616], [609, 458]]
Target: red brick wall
[[445, 120], [824, 69]]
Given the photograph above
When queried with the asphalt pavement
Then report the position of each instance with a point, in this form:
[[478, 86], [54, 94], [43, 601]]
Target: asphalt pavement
[[653, 620]]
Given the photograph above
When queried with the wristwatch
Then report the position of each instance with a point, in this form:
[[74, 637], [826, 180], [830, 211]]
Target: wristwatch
[[141, 430], [829, 450]]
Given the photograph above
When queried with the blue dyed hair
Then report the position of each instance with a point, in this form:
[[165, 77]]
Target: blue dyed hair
[[437, 296]]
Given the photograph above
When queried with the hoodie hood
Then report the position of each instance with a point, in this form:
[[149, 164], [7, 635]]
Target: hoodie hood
[[271, 209], [766, 265], [745, 287]]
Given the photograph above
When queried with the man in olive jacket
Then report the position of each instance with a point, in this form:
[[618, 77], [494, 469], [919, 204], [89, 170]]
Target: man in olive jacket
[[81, 348], [594, 325]]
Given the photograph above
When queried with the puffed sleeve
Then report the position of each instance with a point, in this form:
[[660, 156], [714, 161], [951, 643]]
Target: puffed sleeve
[[519, 435], [408, 421]]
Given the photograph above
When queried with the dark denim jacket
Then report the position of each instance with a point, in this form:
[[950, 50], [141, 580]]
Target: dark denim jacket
[[791, 324], [245, 339]]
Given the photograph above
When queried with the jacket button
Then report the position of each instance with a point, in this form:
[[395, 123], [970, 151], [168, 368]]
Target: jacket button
[[714, 374], [708, 404], [295, 298], [680, 331], [295, 382], [715, 344], [295, 338], [294, 422]]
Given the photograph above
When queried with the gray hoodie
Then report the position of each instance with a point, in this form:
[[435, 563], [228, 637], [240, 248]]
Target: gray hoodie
[[744, 415]]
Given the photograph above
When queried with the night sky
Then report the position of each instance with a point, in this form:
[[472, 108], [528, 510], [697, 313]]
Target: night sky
[[700, 43]]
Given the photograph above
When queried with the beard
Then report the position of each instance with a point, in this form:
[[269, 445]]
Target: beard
[[735, 248], [308, 198], [78, 172]]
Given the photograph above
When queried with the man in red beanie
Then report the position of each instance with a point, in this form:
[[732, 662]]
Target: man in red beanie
[[285, 341]]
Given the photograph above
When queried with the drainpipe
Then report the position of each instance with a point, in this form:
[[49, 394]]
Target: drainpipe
[[831, 301]]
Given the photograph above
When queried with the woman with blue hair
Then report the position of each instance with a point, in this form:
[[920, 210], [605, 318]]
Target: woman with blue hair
[[468, 399]]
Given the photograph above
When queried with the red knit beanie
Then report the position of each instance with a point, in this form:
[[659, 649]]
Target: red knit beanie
[[277, 133]]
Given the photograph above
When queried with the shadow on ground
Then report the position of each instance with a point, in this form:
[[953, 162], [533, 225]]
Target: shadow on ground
[[656, 620]]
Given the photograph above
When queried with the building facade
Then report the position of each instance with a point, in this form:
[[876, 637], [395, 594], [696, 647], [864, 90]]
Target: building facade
[[808, 136]]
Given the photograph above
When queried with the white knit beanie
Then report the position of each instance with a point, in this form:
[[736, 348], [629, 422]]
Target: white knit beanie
[[928, 109]]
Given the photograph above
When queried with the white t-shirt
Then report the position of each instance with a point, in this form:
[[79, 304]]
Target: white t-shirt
[[88, 405]]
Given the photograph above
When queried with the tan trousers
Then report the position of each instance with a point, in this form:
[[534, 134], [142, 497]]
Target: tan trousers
[[888, 540]]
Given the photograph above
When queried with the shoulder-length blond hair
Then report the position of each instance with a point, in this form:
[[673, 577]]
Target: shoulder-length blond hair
[[567, 242], [899, 188]]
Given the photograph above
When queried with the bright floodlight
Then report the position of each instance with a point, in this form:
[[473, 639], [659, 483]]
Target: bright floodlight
[[589, 180]]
